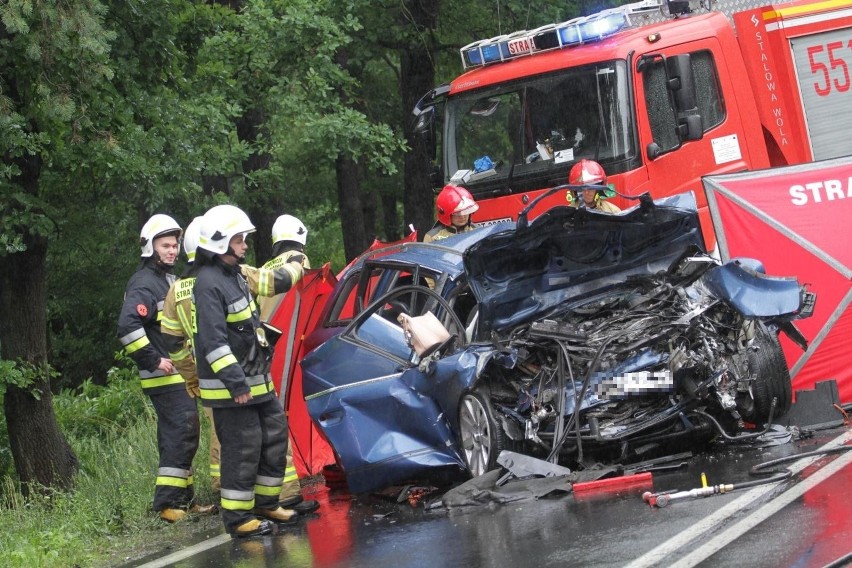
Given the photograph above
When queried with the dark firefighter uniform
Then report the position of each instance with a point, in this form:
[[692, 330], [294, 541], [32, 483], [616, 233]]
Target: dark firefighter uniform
[[232, 361], [177, 417], [178, 324]]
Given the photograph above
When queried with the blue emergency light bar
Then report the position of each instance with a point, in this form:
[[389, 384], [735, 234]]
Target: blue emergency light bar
[[553, 36]]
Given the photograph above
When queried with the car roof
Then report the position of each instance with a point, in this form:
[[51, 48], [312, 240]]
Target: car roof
[[444, 255]]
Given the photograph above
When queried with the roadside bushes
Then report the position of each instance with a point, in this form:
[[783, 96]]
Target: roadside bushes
[[113, 431]]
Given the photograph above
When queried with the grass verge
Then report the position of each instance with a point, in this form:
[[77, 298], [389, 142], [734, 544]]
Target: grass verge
[[107, 519]]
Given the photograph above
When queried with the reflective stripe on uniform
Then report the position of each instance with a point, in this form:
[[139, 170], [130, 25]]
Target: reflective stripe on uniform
[[171, 325], [174, 477], [290, 474], [215, 470], [234, 500], [214, 389], [184, 306], [239, 311], [179, 355], [160, 305], [220, 358], [135, 340], [268, 486], [265, 282], [158, 379]]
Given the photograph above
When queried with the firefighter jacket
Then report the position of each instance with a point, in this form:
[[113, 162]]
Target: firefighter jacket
[[441, 231], [179, 310], [139, 328], [177, 325], [232, 354], [269, 304]]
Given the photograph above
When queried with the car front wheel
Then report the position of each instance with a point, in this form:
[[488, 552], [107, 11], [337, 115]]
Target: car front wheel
[[771, 379], [481, 439]]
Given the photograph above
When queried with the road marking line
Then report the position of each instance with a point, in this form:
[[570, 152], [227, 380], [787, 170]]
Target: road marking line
[[730, 534], [185, 553], [664, 552]]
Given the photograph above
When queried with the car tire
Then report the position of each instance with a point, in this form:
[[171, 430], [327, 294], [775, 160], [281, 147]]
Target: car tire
[[771, 378], [480, 437]]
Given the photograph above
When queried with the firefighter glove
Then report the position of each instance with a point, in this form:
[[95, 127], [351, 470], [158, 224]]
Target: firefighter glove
[[192, 388], [298, 258]]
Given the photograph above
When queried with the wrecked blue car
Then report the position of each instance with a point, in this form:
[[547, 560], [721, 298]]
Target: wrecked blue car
[[579, 337]]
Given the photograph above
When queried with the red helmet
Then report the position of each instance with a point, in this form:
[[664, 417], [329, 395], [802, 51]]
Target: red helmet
[[454, 200], [587, 172]]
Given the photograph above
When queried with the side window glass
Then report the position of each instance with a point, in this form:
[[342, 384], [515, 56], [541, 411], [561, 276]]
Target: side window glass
[[344, 306], [710, 103], [384, 333], [661, 113]]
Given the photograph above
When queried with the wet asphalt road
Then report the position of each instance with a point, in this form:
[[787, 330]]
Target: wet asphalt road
[[805, 521]]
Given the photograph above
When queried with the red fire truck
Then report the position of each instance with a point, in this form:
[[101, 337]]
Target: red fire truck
[[660, 95]]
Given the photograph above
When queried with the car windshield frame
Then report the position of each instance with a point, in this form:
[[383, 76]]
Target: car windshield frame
[[529, 132]]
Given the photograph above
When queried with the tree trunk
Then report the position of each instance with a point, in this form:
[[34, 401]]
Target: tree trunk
[[355, 240], [264, 202], [42, 456], [417, 76], [390, 219]]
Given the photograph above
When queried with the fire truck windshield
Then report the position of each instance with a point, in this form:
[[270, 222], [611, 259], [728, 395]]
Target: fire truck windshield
[[526, 134]]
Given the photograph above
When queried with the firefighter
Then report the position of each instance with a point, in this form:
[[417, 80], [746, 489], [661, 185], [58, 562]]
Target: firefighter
[[233, 359], [177, 332], [140, 335], [590, 173], [178, 314], [289, 236], [454, 205]]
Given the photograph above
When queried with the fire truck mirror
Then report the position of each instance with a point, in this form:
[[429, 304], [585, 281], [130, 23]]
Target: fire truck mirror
[[682, 82], [691, 127], [653, 150], [424, 126], [425, 121]]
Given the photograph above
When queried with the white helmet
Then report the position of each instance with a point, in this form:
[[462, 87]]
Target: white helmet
[[288, 228], [190, 238], [157, 226], [219, 225]]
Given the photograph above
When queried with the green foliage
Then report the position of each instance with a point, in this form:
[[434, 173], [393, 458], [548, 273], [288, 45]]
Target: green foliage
[[113, 431], [25, 375], [92, 410]]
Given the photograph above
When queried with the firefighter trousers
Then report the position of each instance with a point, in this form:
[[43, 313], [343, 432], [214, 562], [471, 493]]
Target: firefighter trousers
[[215, 451], [178, 431], [254, 449]]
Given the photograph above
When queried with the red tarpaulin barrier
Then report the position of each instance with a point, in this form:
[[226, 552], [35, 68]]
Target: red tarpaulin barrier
[[297, 315], [796, 220]]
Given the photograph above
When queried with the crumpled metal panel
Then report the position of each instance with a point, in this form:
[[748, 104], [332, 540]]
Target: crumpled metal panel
[[752, 294]]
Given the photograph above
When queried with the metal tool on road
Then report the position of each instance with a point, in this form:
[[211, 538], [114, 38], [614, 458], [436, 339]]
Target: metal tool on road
[[664, 498]]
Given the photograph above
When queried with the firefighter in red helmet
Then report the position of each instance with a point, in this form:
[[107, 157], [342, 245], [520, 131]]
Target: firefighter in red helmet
[[454, 205], [590, 173]]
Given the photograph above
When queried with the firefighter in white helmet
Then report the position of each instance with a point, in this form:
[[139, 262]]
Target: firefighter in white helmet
[[233, 359], [591, 175], [289, 237], [179, 313], [140, 335]]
